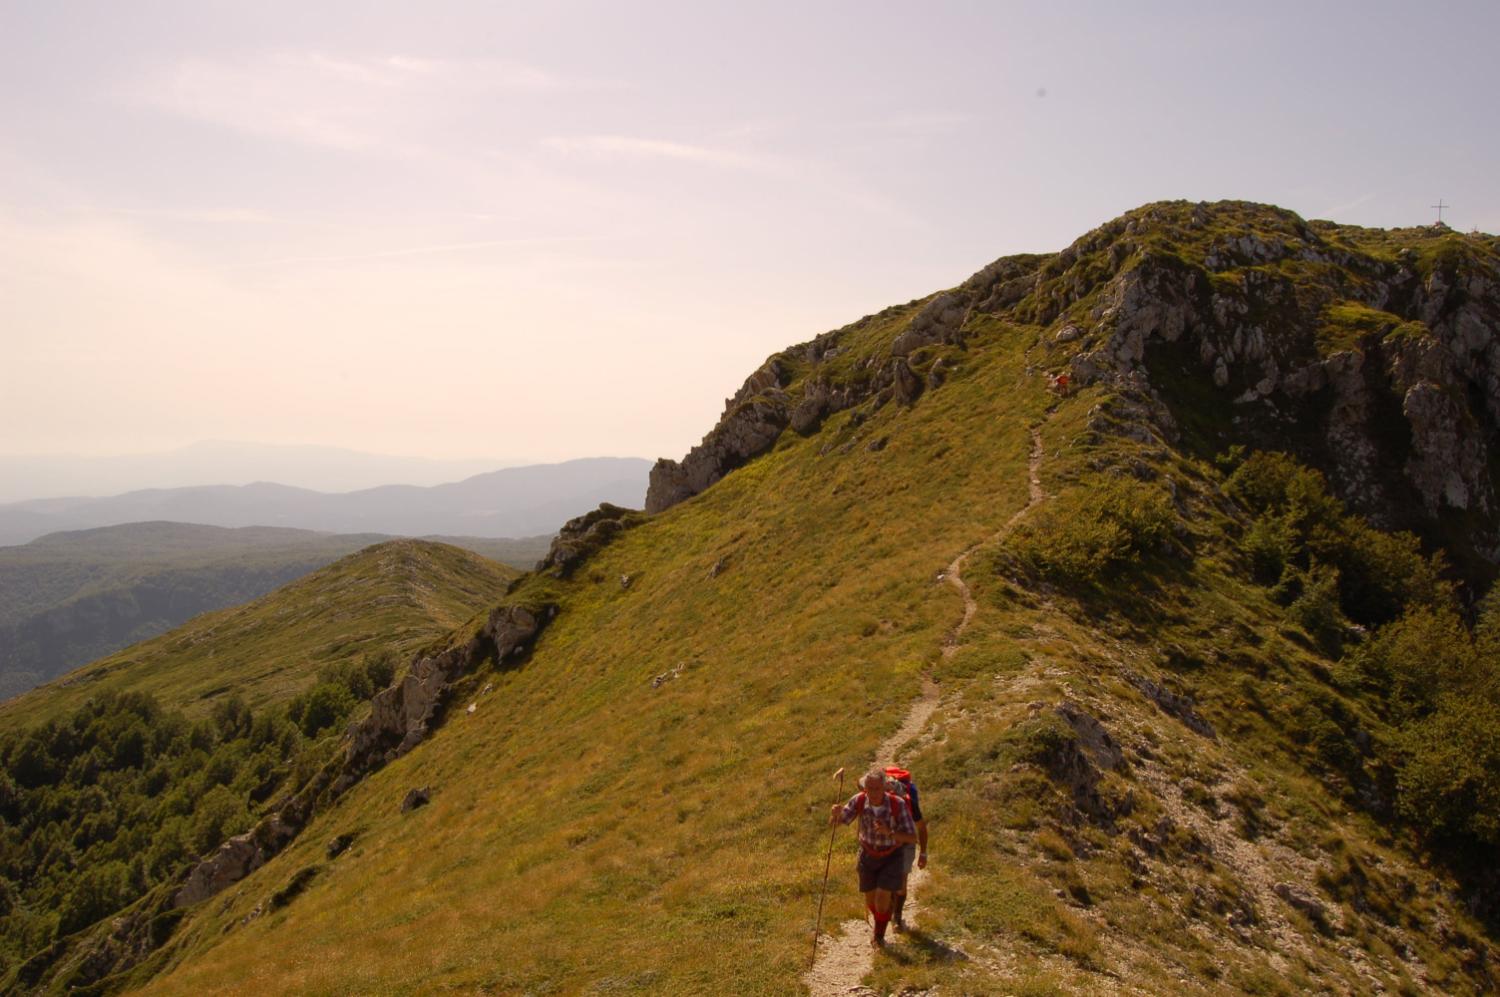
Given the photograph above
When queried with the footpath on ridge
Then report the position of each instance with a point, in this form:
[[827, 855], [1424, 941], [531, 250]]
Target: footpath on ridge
[[844, 959]]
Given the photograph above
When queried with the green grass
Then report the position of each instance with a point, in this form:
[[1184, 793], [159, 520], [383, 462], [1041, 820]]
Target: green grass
[[1349, 324], [589, 832]]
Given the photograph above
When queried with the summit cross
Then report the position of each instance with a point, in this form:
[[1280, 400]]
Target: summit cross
[[1440, 206]]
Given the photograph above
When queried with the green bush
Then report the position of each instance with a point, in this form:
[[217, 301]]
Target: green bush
[[1094, 529], [321, 707], [1416, 659], [100, 805], [1450, 784], [1316, 607], [98, 891], [1298, 521]]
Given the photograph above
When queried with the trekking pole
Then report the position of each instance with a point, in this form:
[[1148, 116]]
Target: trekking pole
[[839, 775]]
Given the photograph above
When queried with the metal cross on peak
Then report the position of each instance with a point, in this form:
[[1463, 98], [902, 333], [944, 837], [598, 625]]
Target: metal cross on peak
[[1440, 206]]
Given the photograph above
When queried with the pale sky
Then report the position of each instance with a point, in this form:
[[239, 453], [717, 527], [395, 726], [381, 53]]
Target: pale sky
[[572, 229]]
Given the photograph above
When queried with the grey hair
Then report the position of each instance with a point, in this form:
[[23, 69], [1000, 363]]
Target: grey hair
[[875, 775]]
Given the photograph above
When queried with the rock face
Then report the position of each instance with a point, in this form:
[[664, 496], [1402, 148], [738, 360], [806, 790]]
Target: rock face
[[582, 536], [752, 421], [1079, 761], [940, 321], [403, 715], [1392, 363]]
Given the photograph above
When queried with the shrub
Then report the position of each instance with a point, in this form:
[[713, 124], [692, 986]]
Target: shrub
[[1450, 784], [1092, 530], [1414, 660], [1316, 607], [100, 890], [321, 707]]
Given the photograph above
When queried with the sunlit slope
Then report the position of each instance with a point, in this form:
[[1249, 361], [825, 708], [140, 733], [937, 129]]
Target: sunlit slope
[[1150, 768], [397, 595], [586, 826]]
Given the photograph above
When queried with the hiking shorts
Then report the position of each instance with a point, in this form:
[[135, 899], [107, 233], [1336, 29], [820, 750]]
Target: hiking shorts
[[908, 859], [884, 873]]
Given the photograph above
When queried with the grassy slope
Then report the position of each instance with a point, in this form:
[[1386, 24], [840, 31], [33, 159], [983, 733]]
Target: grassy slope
[[666, 835], [67, 566], [69, 598], [398, 595], [589, 832]]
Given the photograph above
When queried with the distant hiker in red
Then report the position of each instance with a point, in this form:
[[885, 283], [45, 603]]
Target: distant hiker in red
[[885, 824], [901, 784]]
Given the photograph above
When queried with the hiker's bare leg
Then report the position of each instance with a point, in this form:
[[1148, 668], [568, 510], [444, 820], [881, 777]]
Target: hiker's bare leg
[[879, 900]]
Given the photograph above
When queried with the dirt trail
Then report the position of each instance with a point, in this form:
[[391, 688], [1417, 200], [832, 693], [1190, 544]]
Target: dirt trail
[[844, 959]]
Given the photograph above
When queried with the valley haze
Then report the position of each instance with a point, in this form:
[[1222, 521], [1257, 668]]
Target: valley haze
[[511, 502]]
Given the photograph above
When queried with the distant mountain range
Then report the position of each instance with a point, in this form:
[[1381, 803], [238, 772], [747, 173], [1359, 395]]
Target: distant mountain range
[[69, 598], [512, 502], [221, 462]]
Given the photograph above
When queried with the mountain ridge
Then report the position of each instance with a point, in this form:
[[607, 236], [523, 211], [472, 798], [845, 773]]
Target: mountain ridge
[[1202, 728], [71, 597], [320, 468], [511, 502]]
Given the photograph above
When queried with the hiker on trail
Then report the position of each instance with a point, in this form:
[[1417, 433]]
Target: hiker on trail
[[885, 824], [899, 782]]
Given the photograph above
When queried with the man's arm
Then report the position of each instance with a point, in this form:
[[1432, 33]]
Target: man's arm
[[844, 813]]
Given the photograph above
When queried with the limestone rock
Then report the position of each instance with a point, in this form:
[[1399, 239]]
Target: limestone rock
[[1447, 464], [908, 386], [746, 432], [939, 321], [582, 536], [229, 863]]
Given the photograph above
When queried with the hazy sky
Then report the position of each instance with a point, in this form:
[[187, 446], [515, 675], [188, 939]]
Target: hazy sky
[[558, 230]]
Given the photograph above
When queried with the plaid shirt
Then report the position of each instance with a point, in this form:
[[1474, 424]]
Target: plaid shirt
[[893, 812]]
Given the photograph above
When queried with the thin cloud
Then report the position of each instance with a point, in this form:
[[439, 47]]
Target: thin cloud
[[327, 100]]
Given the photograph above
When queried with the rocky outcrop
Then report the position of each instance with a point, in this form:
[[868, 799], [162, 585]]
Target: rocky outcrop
[[400, 717], [1173, 704], [1078, 761], [581, 537], [1394, 362], [403, 715], [820, 399], [752, 421], [940, 321], [229, 863]]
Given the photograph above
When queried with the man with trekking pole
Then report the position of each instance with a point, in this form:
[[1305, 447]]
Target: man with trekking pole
[[885, 825], [899, 782]]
